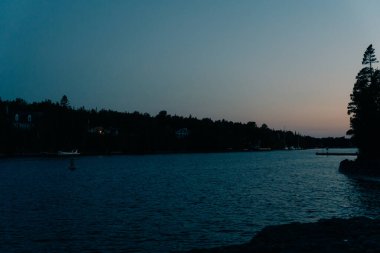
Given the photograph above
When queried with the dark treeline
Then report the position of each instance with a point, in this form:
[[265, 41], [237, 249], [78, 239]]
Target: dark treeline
[[51, 126]]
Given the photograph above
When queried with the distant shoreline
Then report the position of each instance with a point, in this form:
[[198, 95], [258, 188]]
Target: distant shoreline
[[46, 126], [56, 155]]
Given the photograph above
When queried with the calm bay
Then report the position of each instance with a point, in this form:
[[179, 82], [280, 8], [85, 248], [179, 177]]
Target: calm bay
[[163, 203]]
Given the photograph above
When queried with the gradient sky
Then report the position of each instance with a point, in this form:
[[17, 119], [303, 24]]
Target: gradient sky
[[289, 64]]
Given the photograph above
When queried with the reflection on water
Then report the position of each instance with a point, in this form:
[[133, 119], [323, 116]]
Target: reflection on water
[[170, 202], [72, 164], [367, 193]]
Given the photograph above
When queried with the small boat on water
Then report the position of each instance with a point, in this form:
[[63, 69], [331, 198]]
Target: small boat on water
[[69, 153]]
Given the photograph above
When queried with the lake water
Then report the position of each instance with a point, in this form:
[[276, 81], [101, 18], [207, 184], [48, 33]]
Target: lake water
[[163, 203]]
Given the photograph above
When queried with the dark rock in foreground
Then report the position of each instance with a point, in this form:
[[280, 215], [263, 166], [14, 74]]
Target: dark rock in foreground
[[334, 235], [360, 167]]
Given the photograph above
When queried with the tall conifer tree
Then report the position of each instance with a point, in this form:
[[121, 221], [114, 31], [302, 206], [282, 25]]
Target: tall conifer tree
[[364, 108]]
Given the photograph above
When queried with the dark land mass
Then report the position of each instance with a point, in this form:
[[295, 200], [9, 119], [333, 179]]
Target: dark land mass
[[47, 127], [360, 167], [330, 236]]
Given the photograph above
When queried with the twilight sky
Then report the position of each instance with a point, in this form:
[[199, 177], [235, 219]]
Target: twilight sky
[[289, 64]]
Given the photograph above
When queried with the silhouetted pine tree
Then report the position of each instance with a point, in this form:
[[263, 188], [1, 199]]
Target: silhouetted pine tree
[[364, 108], [64, 101], [369, 56]]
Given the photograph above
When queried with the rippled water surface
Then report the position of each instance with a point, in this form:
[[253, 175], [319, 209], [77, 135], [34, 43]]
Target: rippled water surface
[[163, 203]]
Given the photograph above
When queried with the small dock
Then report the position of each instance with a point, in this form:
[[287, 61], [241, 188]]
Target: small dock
[[336, 154]]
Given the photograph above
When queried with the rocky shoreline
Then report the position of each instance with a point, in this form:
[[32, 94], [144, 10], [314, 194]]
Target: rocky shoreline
[[360, 167], [359, 234]]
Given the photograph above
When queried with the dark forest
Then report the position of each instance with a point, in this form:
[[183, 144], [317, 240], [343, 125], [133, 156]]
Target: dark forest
[[48, 127]]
